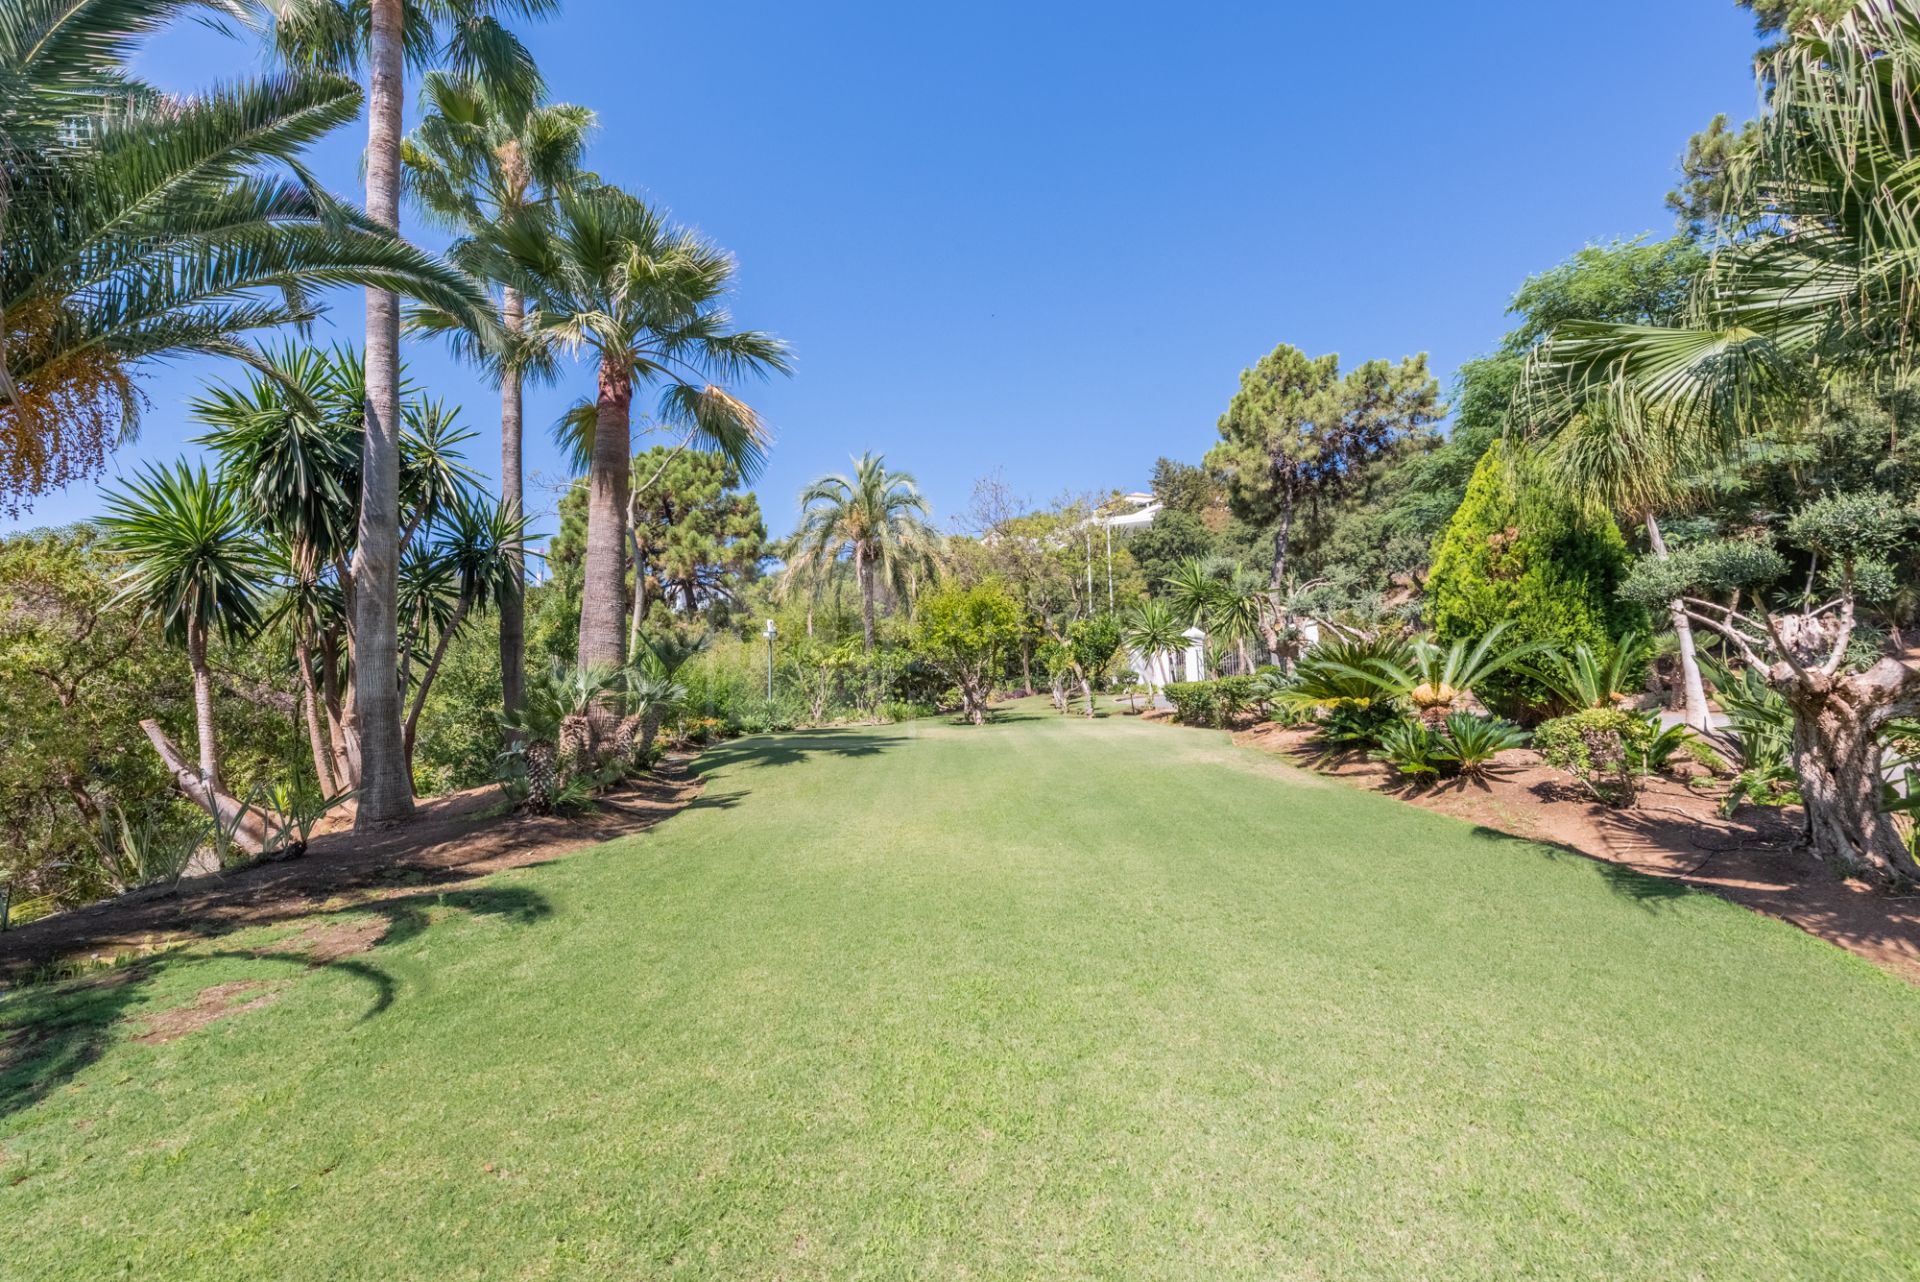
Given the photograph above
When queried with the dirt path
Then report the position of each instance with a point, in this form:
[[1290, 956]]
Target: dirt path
[[1754, 859], [453, 839]]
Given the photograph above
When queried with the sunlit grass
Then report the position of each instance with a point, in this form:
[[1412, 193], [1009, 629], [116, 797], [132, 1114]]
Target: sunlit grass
[[1050, 998]]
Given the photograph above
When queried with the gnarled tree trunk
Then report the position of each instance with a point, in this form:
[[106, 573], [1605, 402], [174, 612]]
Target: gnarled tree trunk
[[1837, 720], [1693, 687]]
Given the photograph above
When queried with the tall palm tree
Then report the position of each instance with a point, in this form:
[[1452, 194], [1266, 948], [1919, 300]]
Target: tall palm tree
[[475, 158], [876, 518], [196, 568], [334, 36], [1152, 629], [605, 273], [1615, 464], [136, 225]]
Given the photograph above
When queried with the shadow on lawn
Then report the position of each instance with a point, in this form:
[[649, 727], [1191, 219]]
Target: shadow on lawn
[[799, 745], [1648, 891], [56, 1030]]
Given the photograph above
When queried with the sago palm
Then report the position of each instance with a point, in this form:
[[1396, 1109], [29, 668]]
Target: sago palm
[[136, 225], [195, 567], [878, 519], [606, 274]]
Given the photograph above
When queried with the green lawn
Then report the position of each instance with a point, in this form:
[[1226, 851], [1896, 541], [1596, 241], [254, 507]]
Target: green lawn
[[1044, 999]]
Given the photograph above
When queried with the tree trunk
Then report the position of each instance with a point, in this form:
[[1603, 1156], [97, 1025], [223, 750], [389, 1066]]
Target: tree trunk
[[864, 566], [433, 670], [513, 601], [1086, 688], [1696, 714], [203, 727], [1026, 667], [386, 790], [310, 707], [246, 827], [603, 622], [639, 617], [1277, 584], [1837, 758]]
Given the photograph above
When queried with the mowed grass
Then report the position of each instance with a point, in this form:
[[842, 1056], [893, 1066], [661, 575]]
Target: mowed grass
[[1046, 999]]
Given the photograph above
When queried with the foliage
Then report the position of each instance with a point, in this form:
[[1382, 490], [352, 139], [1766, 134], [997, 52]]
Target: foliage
[[1433, 677], [878, 519], [141, 225], [1196, 703], [1516, 553], [1298, 431], [1471, 742], [1413, 748], [1603, 748], [1590, 677], [1346, 670], [964, 633]]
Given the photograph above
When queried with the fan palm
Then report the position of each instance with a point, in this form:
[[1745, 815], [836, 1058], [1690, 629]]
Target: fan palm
[[605, 273], [336, 36], [475, 157], [136, 225], [195, 567], [878, 519]]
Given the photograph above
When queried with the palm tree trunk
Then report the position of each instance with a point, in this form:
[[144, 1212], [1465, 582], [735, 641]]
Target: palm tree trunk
[[602, 621], [864, 568], [203, 707], [386, 790], [310, 707], [639, 616], [345, 771], [433, 670], [513, 601], [1696, 713]]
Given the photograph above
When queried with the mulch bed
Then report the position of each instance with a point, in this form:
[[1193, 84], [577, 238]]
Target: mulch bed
[[452, 839], [1756, 858]]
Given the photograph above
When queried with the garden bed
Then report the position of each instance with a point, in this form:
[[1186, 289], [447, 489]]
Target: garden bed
[[452, 839], [1756, 858]]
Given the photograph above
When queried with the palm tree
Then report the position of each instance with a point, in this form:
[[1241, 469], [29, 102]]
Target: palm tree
[[1816, 286], [475, 158], [878, 519], [197, 569], [1152, 629], [480, 551], [329, 35], [604, 272], [1613, 463], [1231, 608], [136, 225]]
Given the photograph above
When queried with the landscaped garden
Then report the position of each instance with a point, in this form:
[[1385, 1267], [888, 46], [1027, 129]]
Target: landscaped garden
[[1460, 819], [1045, 998]]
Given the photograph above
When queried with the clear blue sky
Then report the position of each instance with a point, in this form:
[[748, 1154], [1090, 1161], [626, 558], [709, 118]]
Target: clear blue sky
[[1045, 237]]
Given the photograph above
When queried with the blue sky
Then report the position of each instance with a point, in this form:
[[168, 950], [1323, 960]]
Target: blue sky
[[1044, 238]]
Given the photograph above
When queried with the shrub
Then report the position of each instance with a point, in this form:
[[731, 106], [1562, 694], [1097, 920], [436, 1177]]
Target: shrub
[[1195, 703], [1352, 724], [1237, 694], [1521, 552], [1600, 748]]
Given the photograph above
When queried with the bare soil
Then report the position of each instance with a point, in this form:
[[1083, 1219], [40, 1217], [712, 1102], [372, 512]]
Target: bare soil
[[1756, 858], [452, 839], [211, 1004]]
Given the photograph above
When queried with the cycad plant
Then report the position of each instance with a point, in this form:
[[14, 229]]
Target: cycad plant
[[1435, 678], [1586, 678], [877, 519], [550, 734]]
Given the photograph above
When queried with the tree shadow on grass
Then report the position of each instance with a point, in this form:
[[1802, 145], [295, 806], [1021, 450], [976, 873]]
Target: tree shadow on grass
[[799, 745], [1641, 888], [54, 1031]]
